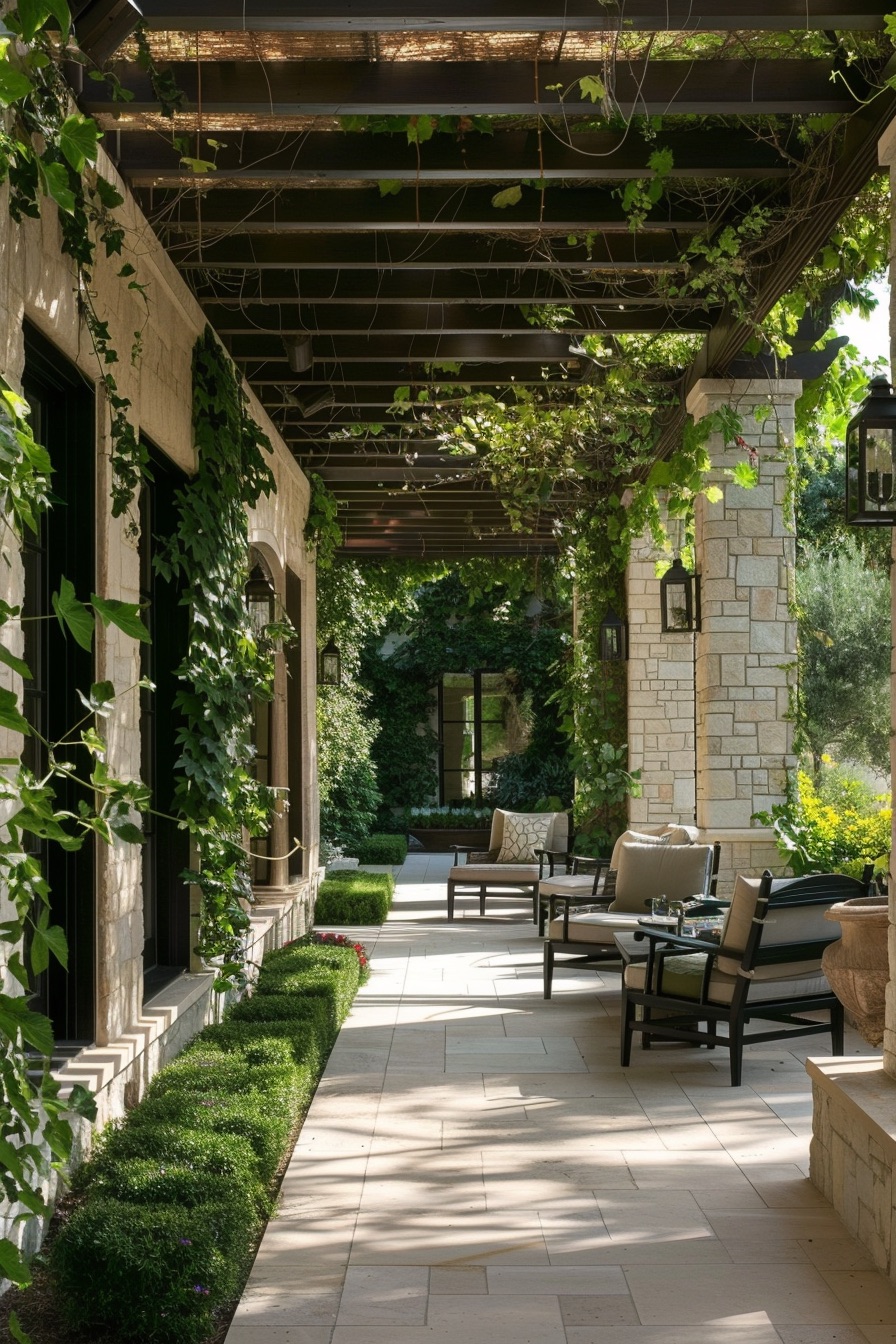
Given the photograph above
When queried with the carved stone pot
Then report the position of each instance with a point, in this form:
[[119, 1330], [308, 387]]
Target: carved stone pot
[[857, 966]]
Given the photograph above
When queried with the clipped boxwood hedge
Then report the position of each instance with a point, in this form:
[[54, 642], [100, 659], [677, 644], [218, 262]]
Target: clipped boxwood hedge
[[379, 848], [354, 897], [175, 1195]]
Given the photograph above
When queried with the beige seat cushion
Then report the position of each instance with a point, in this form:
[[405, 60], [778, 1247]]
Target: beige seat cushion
[[645, 871], [574, 884], [593, 927], [655, 835], [496, 875], [683, 977]]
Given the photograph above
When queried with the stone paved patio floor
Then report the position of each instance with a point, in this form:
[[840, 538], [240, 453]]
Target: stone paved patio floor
[[476, 1168]]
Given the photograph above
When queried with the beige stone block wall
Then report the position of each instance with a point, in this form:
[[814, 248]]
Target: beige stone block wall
[[746, 648], [37, 283], [660, 700]]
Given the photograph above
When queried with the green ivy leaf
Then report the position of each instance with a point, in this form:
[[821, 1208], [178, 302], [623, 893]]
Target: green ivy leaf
[[126, 830], [82, 1101], [15, 1329], [33, 14], [10, 716], [509, 196], [14, 1268], [15, 663], [78, 140], [100, 699], [745, 476], [45, 942], [73, 615], [592, 87], [13, 84], [126, 615], [109, 197], [61, 13], [199, 165], [389, 186], [55, 183]]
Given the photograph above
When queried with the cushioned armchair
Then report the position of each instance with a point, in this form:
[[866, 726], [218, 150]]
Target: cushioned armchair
[[585, 879], [643, 871], [767, 966], [511, 867]]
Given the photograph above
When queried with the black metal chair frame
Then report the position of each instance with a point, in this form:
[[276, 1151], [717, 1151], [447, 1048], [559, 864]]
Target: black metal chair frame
[[683, 1018], [582, 953]]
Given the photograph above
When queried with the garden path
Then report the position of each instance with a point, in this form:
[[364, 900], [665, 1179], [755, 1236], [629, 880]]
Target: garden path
[[476, 1167]]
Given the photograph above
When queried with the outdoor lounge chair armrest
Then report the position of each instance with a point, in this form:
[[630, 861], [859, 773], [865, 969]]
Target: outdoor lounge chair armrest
[[568, 902], [550, 856], [680, 941]]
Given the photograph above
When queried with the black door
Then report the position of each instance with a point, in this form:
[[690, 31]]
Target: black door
[[63, 419], [166, 853]]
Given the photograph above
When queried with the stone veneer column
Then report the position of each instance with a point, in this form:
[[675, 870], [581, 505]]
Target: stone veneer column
[[660, 701], [745, 558]]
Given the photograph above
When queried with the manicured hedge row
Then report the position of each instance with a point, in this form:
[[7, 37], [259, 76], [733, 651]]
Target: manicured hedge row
[[379, 848], [353, 897], [175, 1196]]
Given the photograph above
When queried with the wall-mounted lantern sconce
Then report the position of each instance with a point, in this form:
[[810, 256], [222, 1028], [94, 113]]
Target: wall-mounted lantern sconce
[[871, 459], [329, 665], [298, 353], [613, 638], [679, 599], [260, 600]]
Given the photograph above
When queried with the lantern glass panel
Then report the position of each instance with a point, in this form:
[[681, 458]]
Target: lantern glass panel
[[329, 672], [677, 606]]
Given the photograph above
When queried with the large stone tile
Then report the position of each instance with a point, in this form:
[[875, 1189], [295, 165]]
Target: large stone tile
[[868, 1297], [282, 1306], [790, 1294], [558, 1280], [732, 1331], [283, 1334], [445, 1239], [530, 1313], [387, 1295]]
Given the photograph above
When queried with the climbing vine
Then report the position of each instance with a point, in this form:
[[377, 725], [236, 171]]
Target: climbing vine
[[48, 151], [226, 666], [35, 1128]]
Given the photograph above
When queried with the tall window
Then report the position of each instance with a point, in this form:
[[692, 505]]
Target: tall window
[[166, 852], [63, 419], [481, 719]]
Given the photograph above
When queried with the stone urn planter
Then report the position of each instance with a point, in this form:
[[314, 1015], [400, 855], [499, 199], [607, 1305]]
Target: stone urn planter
[[857, 966]]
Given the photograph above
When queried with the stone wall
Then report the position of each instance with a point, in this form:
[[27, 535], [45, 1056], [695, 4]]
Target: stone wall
[[37, 284], [660, 701], [746, 649]]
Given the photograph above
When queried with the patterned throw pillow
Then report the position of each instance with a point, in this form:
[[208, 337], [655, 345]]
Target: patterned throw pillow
[[524, 832]]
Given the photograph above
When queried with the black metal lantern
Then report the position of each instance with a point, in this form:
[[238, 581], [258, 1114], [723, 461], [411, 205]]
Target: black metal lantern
[[329, 665], [613, 638], [679, 599], [260, 600], [871, 459]]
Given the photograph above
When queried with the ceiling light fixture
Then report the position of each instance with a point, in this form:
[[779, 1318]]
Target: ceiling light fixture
[[298, 353]]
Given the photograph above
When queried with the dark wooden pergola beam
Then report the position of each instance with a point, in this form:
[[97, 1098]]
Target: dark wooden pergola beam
[[364, 288], [511, 15], [346, 379], [565, 210], [550, 346], [250, 323], [590, 255], [489, 88], [321, 156]]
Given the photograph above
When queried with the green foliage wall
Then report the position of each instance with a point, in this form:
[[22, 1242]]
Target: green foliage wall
[[457, 626]]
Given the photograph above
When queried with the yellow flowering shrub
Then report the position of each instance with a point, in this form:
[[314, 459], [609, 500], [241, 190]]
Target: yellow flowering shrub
[[816, 837]]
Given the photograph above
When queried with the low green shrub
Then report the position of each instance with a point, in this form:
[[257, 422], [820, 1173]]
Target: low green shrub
[[142, 1180], [448, 818], [173, 1196], [380, 848], [355, 898], [265, 1119], [151, 1272]]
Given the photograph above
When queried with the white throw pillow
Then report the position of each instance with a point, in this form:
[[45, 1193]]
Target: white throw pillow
[[524, 832]]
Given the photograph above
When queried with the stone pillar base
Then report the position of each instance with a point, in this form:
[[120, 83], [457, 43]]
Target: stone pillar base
[[853, 1152], [747, 850]]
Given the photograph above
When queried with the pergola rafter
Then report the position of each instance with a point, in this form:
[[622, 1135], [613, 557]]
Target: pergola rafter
[[402, 265]]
